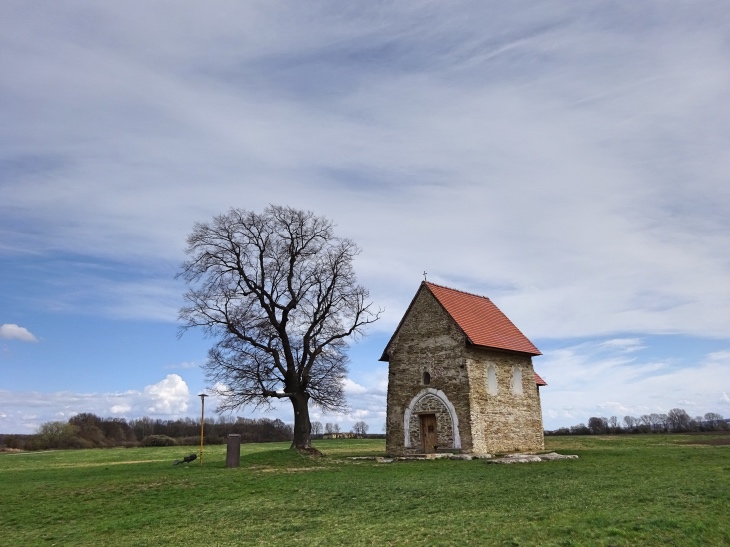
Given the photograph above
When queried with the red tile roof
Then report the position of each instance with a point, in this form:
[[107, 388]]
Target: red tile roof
[[539, 381], [483, 323]]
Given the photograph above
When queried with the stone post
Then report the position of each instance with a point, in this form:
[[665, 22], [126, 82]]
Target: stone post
[[233, 452]]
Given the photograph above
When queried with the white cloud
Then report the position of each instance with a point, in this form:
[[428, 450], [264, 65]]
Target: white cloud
[[588, 380], [11, 331], [366, 398], [613, 407], [625, 345], [169, 396], [120, 409], [353, 388]]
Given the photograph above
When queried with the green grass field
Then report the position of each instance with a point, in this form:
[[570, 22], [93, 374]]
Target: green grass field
[[624, 490]]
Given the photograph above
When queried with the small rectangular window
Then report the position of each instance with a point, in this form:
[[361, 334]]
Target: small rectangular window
[[517, 380], [491, 380]]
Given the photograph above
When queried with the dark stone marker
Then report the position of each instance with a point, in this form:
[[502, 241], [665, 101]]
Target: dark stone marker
[[233, 453]]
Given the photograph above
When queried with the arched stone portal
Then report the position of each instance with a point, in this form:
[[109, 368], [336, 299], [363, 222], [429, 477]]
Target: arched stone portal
[[431, 401]]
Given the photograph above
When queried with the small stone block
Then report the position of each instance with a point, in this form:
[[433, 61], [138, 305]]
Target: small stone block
[[466, 457]]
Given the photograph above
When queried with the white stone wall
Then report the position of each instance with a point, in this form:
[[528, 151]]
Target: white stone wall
[[506, 421]]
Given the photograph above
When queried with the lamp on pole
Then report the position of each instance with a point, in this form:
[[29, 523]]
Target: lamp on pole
[[202, 423]]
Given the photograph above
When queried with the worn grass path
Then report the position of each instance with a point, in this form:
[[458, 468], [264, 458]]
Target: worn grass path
[[624, 490]]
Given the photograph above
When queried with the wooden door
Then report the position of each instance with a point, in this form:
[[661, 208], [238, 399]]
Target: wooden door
[[429, 438]]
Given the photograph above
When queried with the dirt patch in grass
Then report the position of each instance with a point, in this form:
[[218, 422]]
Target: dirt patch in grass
[[105, 464], [725, 441], [311, 451], [286, 470]]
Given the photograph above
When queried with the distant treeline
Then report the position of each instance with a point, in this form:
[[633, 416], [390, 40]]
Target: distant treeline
[[90, 431], [676, 420]]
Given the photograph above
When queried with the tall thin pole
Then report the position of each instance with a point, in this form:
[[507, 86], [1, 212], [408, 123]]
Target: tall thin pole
[[202, 424]]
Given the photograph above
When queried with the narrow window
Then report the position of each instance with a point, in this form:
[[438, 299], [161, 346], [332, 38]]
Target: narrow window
[[517, 380], [426, 378], [491, 380]]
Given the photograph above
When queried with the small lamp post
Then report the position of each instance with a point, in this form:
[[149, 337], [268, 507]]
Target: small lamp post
[[202, 423]]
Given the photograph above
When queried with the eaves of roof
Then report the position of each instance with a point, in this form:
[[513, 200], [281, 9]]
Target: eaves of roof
[[539, 381]]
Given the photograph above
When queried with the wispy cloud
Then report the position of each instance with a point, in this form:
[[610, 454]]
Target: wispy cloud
[[185, 365], [588, 380], [542, 136]]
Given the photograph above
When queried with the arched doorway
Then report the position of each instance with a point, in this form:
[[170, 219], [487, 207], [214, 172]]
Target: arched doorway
[[430, 422]]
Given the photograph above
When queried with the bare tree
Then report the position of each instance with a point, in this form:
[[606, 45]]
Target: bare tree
[[57, 434], [630, 422], [597, 425], [329, 428], [678, 419], [143, 427], [654, 421], [715, 421], [360, 428], [316, 428], [279, 292]]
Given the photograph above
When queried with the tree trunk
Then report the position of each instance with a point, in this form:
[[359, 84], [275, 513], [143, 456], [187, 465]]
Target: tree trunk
[[302, 426]]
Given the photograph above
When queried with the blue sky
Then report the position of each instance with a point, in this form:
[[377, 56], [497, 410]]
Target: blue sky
[[567, 159]]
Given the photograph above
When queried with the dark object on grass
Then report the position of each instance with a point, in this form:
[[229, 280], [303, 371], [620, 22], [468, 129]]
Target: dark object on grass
[[186, 459]]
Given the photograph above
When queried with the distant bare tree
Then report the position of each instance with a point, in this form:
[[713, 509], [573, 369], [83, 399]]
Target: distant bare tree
[[279, 293], [143, 427], [597, 425], [57, 434], [580, 429], [336, 428], [715, 421], [316, 428], [360, 428], [655, 421], [329, 428], [630, 422], [678, 419], [225, 420]]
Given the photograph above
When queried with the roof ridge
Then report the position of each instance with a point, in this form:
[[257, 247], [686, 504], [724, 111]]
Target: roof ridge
[[458, 290]]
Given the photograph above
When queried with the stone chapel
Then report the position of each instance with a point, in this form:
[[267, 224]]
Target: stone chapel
[[460, 379]]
